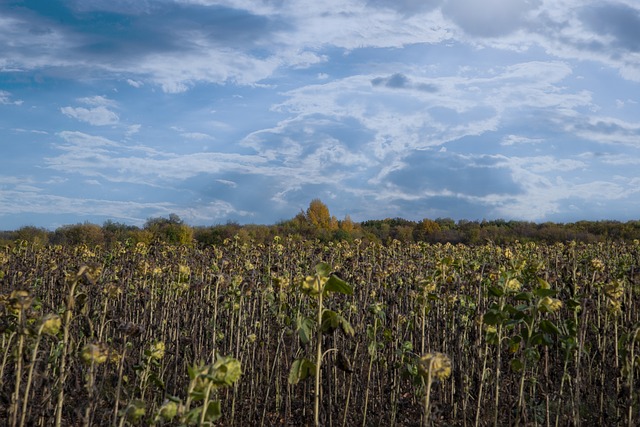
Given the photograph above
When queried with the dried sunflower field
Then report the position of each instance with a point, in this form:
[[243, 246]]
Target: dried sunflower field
[[300, 332]]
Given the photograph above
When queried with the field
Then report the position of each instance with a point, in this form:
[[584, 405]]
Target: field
[[250, 334]]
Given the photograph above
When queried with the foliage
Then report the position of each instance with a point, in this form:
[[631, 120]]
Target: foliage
[[317, 223]]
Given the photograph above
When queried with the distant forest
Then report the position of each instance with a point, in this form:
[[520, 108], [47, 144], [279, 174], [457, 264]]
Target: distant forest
[[316, 223]]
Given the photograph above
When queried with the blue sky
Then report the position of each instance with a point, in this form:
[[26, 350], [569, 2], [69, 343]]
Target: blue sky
[[246, 110]]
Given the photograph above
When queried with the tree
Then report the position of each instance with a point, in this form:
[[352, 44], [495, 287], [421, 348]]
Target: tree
[[318, 215], [117, 232], [87, 233], [171, 230], [36, 236], [424, 229], [347, 225]]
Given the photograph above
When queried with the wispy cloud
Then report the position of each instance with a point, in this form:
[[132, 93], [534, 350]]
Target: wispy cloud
[[519, 109], [5, 98], [98, 116]]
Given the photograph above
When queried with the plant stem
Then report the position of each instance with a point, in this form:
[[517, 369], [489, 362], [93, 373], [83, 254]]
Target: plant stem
[[119, 386], [16, 393], [484, 367], [65, 350], [371, 359], [316, 412], [205, 404], [427, 397], [34, 355]]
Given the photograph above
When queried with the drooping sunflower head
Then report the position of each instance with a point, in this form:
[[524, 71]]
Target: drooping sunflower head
[[435, 365]]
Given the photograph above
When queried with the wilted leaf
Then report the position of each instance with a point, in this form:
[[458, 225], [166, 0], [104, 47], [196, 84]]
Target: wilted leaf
[[330, 321], [300, 370], [335, 284], [213, 411], [516, 365], [305, 329], [346, 327], [343, 363], [323, 269]]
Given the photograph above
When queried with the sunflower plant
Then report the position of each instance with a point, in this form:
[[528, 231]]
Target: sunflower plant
[[326, 321]]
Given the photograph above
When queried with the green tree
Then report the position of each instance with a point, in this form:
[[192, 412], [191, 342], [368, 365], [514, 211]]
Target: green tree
[[87, 233], [170, 230], [36, 236]]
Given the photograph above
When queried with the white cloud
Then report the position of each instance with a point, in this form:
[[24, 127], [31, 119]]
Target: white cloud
[[80, 139], [177, 73], [228, 183], [98, 116], [404, 117], [98, 101], [132, 130], [39, 132], [16, 202], [197, 136], [607, 130], [5, 98], [519, 139]]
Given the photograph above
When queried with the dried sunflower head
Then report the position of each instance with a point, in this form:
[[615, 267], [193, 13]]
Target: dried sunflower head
[[436, 365], [95, 353], [156, 351], [19, 300], [549, 304], [51, 324]]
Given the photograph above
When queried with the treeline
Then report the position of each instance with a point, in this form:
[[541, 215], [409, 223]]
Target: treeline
[[317, 223]]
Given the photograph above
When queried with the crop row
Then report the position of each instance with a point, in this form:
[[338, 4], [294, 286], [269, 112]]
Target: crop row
[[235, 334]]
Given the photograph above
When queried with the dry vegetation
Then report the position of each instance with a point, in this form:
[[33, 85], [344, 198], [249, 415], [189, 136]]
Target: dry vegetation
[[407, 334]]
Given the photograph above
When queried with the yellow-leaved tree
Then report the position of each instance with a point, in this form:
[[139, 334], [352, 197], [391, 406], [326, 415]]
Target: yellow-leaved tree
[[318, 216]]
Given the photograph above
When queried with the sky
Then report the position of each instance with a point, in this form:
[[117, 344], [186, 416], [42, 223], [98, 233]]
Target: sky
[[246, 110]]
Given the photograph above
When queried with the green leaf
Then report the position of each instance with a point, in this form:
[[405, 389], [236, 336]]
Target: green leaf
[[543, 283], [193, 416], [524, 296], [492, 318], [323, 269], [542, 292], [330, 321], [520, 309], [335, 284], [407, 346], [213, 412], [516, 365], [549, 327], [372, 348], [304, 327], [155, 379], [514, 343], [193, 371], [300, 370], [574, 304], [533, 355], [495, 291]]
